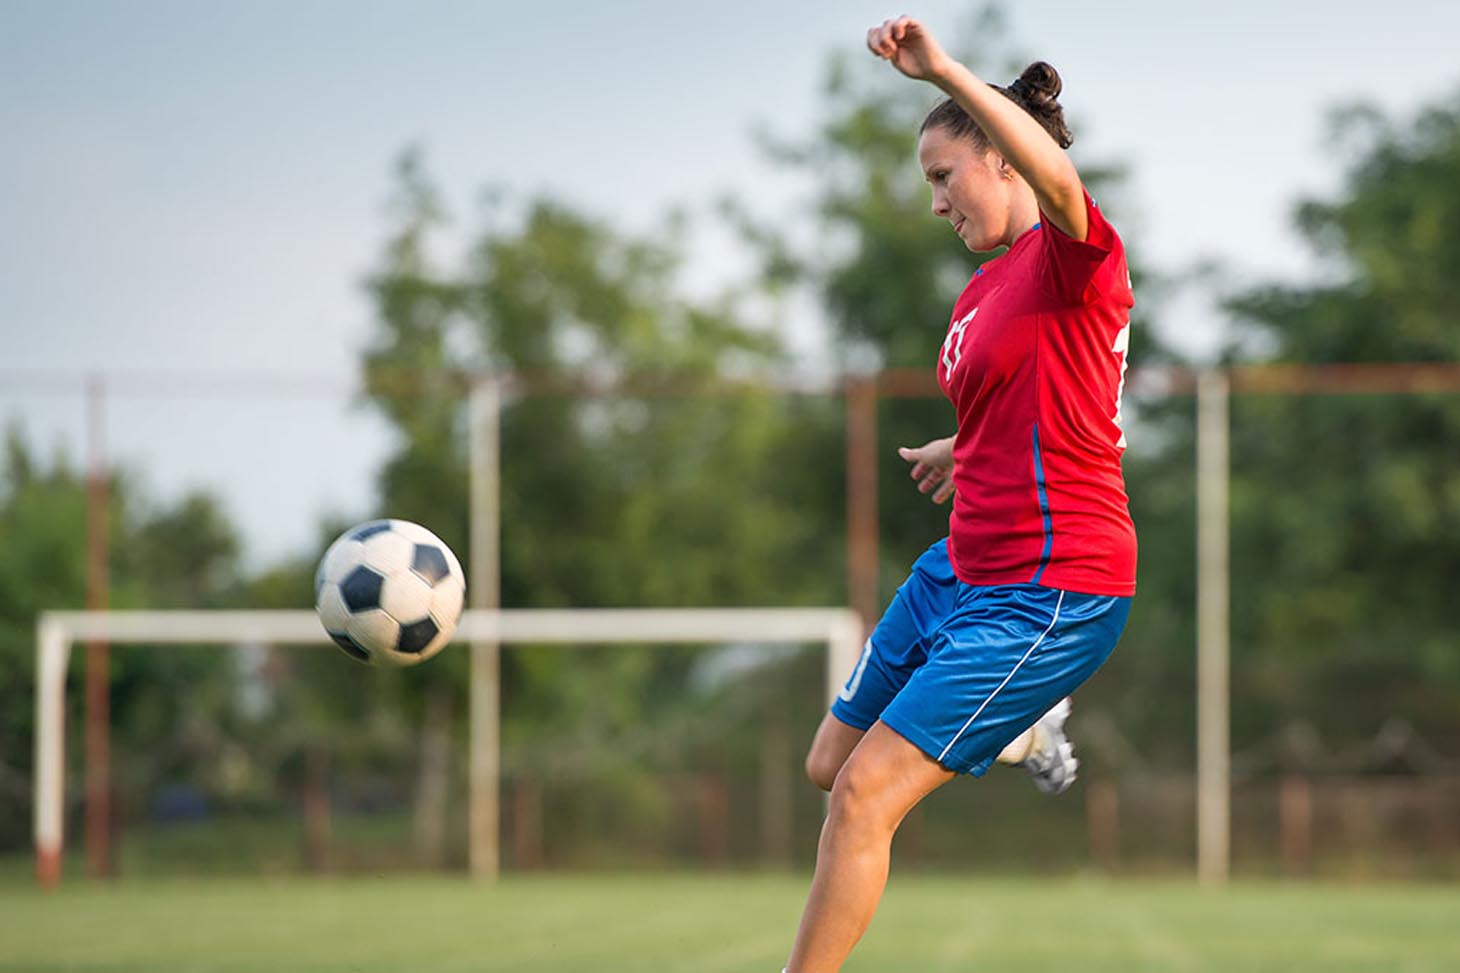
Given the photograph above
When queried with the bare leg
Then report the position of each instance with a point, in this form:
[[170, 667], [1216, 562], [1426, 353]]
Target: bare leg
[[881, 781], [835, 741], [1018, 748], [832, 745]]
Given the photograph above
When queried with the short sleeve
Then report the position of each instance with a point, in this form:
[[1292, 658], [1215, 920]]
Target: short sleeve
[[1078, 271]]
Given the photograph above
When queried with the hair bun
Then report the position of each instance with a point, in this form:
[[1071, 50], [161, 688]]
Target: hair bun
[[1040, 83], [1037, 91]]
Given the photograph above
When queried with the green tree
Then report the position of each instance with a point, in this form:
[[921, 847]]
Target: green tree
[[165, 705], [678, 492], [1351, 505], [42, 565]]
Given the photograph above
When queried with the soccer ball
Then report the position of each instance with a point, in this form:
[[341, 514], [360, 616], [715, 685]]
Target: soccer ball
[[389, 592]]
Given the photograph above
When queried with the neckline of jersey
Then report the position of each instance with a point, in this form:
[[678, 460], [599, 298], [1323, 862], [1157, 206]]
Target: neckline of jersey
[[978, 272]]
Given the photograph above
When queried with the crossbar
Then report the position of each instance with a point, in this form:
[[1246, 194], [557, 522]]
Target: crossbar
[[839, 629]]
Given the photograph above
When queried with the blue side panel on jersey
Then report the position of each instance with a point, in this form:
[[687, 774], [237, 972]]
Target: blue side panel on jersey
[[1043, 509]]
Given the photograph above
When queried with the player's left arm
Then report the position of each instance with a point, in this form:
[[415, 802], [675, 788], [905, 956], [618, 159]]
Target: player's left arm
[[1016, 136]]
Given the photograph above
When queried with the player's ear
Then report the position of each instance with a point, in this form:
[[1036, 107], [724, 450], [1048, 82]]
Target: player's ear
[[1002, 167]]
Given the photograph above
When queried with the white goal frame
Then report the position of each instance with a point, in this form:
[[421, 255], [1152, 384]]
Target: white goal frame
[[839, 629]]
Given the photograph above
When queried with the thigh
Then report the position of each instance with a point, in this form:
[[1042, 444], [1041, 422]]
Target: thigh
[[1006, 654], [885, 776]]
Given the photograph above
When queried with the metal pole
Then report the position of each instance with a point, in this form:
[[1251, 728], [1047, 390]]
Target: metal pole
[[1213, 735], [52, 653], [484, 591], [98, 653], [861, 411]]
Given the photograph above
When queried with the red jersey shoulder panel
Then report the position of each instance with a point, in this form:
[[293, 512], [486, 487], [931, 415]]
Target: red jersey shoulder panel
[[1080, 271]]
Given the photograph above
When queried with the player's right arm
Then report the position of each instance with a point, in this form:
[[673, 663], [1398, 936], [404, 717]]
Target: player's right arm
[[932, 467], [1015, 134]]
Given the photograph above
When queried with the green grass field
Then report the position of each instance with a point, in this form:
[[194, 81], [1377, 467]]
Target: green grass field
[[682, 923]]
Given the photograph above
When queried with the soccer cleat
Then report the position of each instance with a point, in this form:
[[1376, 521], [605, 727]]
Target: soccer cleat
[[1051, 761]]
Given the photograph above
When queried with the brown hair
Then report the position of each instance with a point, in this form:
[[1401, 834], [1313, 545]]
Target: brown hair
[[1037, 91]]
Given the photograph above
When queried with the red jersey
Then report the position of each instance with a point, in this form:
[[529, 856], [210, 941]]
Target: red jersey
[[1034, 364]]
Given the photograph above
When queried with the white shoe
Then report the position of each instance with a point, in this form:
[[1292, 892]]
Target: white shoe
[[1051, 762]]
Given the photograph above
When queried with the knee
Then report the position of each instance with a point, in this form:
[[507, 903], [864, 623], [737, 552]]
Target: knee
[[857, 797]]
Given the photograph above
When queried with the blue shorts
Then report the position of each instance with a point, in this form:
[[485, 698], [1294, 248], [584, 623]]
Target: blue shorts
[[960, 670]]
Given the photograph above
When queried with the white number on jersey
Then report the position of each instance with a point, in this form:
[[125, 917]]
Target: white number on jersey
[[1121, 348], [953, 344]]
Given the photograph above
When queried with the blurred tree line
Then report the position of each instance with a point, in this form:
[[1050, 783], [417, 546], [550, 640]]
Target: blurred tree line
[[1350, 505], [1346, 512]]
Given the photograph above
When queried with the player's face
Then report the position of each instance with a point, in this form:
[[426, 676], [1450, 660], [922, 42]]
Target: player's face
[[969, 190]]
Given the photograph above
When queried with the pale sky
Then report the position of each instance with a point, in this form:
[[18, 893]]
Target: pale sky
[[198, 187]]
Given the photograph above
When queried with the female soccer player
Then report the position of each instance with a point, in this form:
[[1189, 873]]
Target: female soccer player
[[1031, 590]]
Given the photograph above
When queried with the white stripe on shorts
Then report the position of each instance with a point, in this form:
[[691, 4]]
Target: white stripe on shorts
[[1001, 685]]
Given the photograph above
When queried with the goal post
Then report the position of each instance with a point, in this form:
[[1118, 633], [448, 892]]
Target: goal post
[[840, 630]]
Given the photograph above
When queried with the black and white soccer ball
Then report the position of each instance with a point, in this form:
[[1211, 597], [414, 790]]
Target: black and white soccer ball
[[389, 592]]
